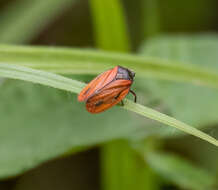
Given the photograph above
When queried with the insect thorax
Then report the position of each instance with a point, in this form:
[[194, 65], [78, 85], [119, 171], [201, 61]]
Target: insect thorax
[[123, 73]]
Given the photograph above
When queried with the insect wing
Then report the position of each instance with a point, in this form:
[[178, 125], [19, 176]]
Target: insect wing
[[97, 84], [109, 96]]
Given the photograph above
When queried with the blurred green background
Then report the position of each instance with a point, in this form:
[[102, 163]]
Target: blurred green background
[[49, 141]]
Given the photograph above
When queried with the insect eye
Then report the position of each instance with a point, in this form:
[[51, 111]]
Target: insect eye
[[131, 74]]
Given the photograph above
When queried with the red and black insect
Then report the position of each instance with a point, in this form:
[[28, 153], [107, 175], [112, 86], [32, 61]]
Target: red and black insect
[[107, 89]]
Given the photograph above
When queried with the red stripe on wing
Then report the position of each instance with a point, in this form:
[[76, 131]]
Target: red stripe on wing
[[97, 84]]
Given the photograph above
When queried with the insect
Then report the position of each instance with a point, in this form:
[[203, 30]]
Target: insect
[[107, 89]]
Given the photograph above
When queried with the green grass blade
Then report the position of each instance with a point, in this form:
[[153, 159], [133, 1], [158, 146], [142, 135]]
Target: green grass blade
[[115, 173], [76, 61], [109, 25], [117, 162], [63, 83], [155, 115], [151, 18], [123, 169], [194, 104], [24, 19], [40, 77]]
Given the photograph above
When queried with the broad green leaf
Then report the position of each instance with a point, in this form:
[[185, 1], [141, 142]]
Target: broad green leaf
[[39, 123], [24, 19], [179, 171], [193, 104], [77, 61]]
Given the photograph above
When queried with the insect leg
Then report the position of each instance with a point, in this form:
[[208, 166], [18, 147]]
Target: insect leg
[[122, 104], [134, 94]]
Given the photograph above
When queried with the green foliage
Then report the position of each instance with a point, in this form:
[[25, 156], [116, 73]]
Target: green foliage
[[24, 19], [193, 104], [151, 20], [80, 61], [173, 168], [179, 171], [49, 79], [152, 114], [117, 162], [40, 77], [109, 25], [124, 169], [38, 124]]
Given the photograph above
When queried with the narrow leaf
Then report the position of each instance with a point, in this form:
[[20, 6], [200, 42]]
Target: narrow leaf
[[151, 18], [123, 169], [109, 25], [76, 61], [155, 115]]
